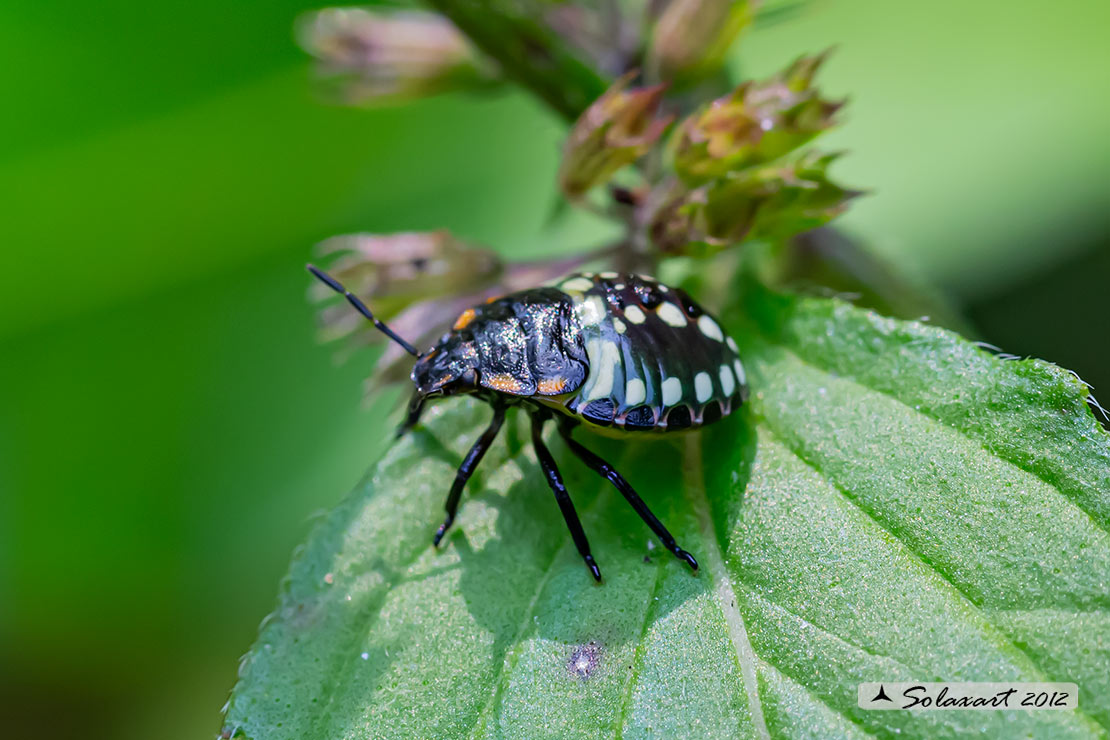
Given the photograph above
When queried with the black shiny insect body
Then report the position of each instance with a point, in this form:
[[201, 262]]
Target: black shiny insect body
[[621, 353]]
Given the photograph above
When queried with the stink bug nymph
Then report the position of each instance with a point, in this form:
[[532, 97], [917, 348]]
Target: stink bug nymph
[[623, 354]]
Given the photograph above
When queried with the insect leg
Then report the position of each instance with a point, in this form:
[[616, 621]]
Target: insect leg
[[555, 480], [469, 463], [416, 407], [607, 471]]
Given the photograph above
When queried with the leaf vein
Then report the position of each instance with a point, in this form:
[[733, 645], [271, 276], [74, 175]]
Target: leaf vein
[[508, 663], [745, 654], [750, 588], [921, 557], [348, 663], [397, 576], [818, 698], [993, 452], [976, 607], [638, 655]]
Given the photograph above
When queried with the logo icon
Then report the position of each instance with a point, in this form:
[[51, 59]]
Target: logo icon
[[881, 695]]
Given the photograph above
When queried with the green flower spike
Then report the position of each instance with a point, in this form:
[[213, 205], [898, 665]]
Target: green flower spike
[[616, 130], [756, 123]]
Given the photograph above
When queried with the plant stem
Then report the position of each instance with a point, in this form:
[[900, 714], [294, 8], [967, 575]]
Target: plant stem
[[528, 51]]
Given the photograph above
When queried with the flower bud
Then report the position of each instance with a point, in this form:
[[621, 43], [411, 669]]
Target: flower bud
[[369, 55], [756, 123], [616, 130], [691, 37], [771, 202], [393, 271]]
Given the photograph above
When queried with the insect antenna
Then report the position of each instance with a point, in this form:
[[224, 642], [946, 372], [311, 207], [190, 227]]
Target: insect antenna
[[335, 285]]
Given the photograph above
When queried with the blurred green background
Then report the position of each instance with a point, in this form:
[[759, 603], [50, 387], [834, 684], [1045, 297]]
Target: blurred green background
[[168, 423]]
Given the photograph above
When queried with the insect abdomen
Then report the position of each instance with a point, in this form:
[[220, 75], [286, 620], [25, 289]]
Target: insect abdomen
[[656, 361]]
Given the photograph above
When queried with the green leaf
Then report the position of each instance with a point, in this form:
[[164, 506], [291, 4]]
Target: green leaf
[[896, 504]]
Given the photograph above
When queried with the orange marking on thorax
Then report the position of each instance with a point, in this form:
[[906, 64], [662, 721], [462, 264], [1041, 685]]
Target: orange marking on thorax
[[505, 383], [464, 319], [551, 386]]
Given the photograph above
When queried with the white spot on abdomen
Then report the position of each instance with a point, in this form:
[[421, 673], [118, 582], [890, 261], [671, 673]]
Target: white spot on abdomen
[[635, 392], [728, 381], [740, 377], [672, 391], [671, 314], [579, 283], [709, 328], [703, 387], [603, 357], [634, 314]]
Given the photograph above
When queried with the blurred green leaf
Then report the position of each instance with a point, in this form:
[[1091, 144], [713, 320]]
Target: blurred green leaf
[[897, 504], [264, 168]]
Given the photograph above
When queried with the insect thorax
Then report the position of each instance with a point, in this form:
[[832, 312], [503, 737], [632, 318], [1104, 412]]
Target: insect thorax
[[523, 345]]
